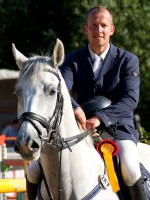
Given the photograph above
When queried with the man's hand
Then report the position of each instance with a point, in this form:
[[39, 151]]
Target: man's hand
[[86, 124], [93, 123], [80, 115]]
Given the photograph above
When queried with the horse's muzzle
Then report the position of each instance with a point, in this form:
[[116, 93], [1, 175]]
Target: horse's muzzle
[[28, 150]]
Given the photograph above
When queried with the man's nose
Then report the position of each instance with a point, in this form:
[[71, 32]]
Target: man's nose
[[99, 28]]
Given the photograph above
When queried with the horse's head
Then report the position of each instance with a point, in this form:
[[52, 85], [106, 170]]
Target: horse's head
[[39, 100]]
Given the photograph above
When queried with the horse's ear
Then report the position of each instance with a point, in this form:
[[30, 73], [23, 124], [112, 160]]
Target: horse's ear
[[58, 54], [19, 57]]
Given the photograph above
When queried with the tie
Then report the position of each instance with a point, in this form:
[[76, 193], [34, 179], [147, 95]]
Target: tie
[[97, 66]]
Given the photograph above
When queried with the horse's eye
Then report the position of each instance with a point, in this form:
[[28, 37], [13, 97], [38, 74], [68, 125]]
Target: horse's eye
[[52, 92]]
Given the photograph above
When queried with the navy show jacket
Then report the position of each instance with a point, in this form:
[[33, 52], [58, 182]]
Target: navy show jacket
[[118, 80]]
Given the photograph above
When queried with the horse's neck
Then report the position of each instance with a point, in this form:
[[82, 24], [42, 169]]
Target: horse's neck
[[71, 164], [68, 128], [68, 125]]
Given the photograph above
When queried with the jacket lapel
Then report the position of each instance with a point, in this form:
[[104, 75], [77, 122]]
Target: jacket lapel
[[87, 61], [109, 61]]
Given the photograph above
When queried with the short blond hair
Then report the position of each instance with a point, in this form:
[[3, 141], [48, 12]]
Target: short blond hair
[[99, 9]]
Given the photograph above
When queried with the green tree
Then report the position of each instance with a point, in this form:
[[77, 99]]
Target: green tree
[[132, 33], [34, 26]]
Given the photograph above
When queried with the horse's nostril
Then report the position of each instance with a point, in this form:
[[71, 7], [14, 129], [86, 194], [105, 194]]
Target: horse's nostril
[[34, 146], [16, 149]]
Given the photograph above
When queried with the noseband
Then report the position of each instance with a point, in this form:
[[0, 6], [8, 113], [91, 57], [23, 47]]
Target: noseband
[[53, 123]]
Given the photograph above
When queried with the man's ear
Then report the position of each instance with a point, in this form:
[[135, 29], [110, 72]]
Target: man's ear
[[85, 28], [112, 29]]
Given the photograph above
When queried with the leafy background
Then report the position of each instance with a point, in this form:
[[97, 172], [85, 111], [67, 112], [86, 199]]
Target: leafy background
[[34, 26]]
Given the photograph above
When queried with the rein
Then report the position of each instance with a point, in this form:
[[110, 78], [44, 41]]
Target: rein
[[64, 143], [53, 123]]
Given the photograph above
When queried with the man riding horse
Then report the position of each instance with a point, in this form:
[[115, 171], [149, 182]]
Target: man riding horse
[[116, 77]]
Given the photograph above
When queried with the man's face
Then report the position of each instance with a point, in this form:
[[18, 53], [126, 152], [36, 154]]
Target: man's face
[[99, 28]]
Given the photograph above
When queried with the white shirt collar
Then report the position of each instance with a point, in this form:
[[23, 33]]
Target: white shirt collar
[[103, 55]]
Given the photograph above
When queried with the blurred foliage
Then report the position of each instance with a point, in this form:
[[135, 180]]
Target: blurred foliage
[[144, 136], [34, 26], [6, 167]]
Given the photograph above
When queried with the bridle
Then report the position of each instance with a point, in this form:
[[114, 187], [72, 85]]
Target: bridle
[[53, 137], [53, 123]]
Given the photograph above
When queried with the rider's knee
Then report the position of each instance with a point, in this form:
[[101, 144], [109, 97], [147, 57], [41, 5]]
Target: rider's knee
[[33, 172], [129, 162], [130, 178]]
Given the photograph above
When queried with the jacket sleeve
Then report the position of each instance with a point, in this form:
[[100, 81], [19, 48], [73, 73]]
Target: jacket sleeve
[[122, 109]]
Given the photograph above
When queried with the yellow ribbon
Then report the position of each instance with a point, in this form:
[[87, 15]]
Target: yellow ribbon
[[107, 150]]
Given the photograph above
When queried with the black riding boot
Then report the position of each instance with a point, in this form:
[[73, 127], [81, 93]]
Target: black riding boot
[[136, 192], [32, 190]]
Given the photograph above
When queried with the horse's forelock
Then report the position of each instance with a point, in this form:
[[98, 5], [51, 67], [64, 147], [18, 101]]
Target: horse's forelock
[[33, 65]]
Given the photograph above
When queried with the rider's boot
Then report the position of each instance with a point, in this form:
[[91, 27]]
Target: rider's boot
[[136, 192], [32, 190]]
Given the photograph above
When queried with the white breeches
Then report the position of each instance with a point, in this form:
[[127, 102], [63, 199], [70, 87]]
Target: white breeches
[[128, 155]]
